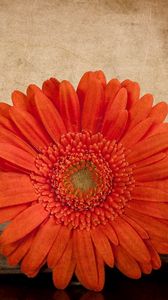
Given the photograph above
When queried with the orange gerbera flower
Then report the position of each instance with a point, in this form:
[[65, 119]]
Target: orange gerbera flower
[[84, 179]]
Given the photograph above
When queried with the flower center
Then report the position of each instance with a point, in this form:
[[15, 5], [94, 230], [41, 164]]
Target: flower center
[[84, 180]]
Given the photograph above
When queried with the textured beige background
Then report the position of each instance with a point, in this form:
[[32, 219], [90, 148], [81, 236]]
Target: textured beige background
[[40, 38]]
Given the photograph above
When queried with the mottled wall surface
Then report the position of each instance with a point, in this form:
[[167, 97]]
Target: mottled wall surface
[[125, 38]]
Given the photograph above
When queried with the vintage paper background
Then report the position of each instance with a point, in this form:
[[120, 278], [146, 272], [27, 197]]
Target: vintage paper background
[[65, 38], [44, 38]]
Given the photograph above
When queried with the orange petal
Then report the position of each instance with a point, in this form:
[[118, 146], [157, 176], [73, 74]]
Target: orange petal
[[155, 258], [69, 106], [50, 117], [17, 156], [51, 89], [6, 123], [7, 249], [143, 193], [15, 257], [82, 278], [130, 240], [4, 109], [100, 271], [158, 128], [153, 226], [160, 246], [24, 223], [15, 189], [103, 246], [9, 137], [126, 263], [152, 172], [159, 112], [59, 246], [110, 233], [133, 91], [84, 83], [143, 234], [153, 209], [159, 184], [85, 257], [63, 271], [146, 268], [135, 134], [8, 213], [41, 245], [148, 147], [20, 100], [113, 109], [140, 111], [116, 130], [149, 161], [100, 76], [30, 128], [111, 90], [92, 106]]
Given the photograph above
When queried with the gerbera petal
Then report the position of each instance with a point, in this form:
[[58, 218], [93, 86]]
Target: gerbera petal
[[126, 263], [100, 271], [9, 137], [159, 184], [155, 171], [155, 258], [148, 147], [143, 193], [159, 112], [51, 89], [41, 245], [117, 129], [158, 210], [85, 81], [130, 240], [6, 123], [158, 128], [15, 189], [15, 257], [115, 106], [20, 100], [59, 246], [17, 156], [143, 234], [136, 134], [29, 127], [69, 106], [146, 268], [85, 257], [160, 246], [110, 233], [82, 277], [64, 269], [111, 90], [149, 161], [92, 106], [133, 91], [103, 246], [4, 109], [24, 223], [140, 111], [8, 213], [50, 117], [154, 227]]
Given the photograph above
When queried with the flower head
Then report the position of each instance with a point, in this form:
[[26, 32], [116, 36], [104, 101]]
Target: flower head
[[83, 179]]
